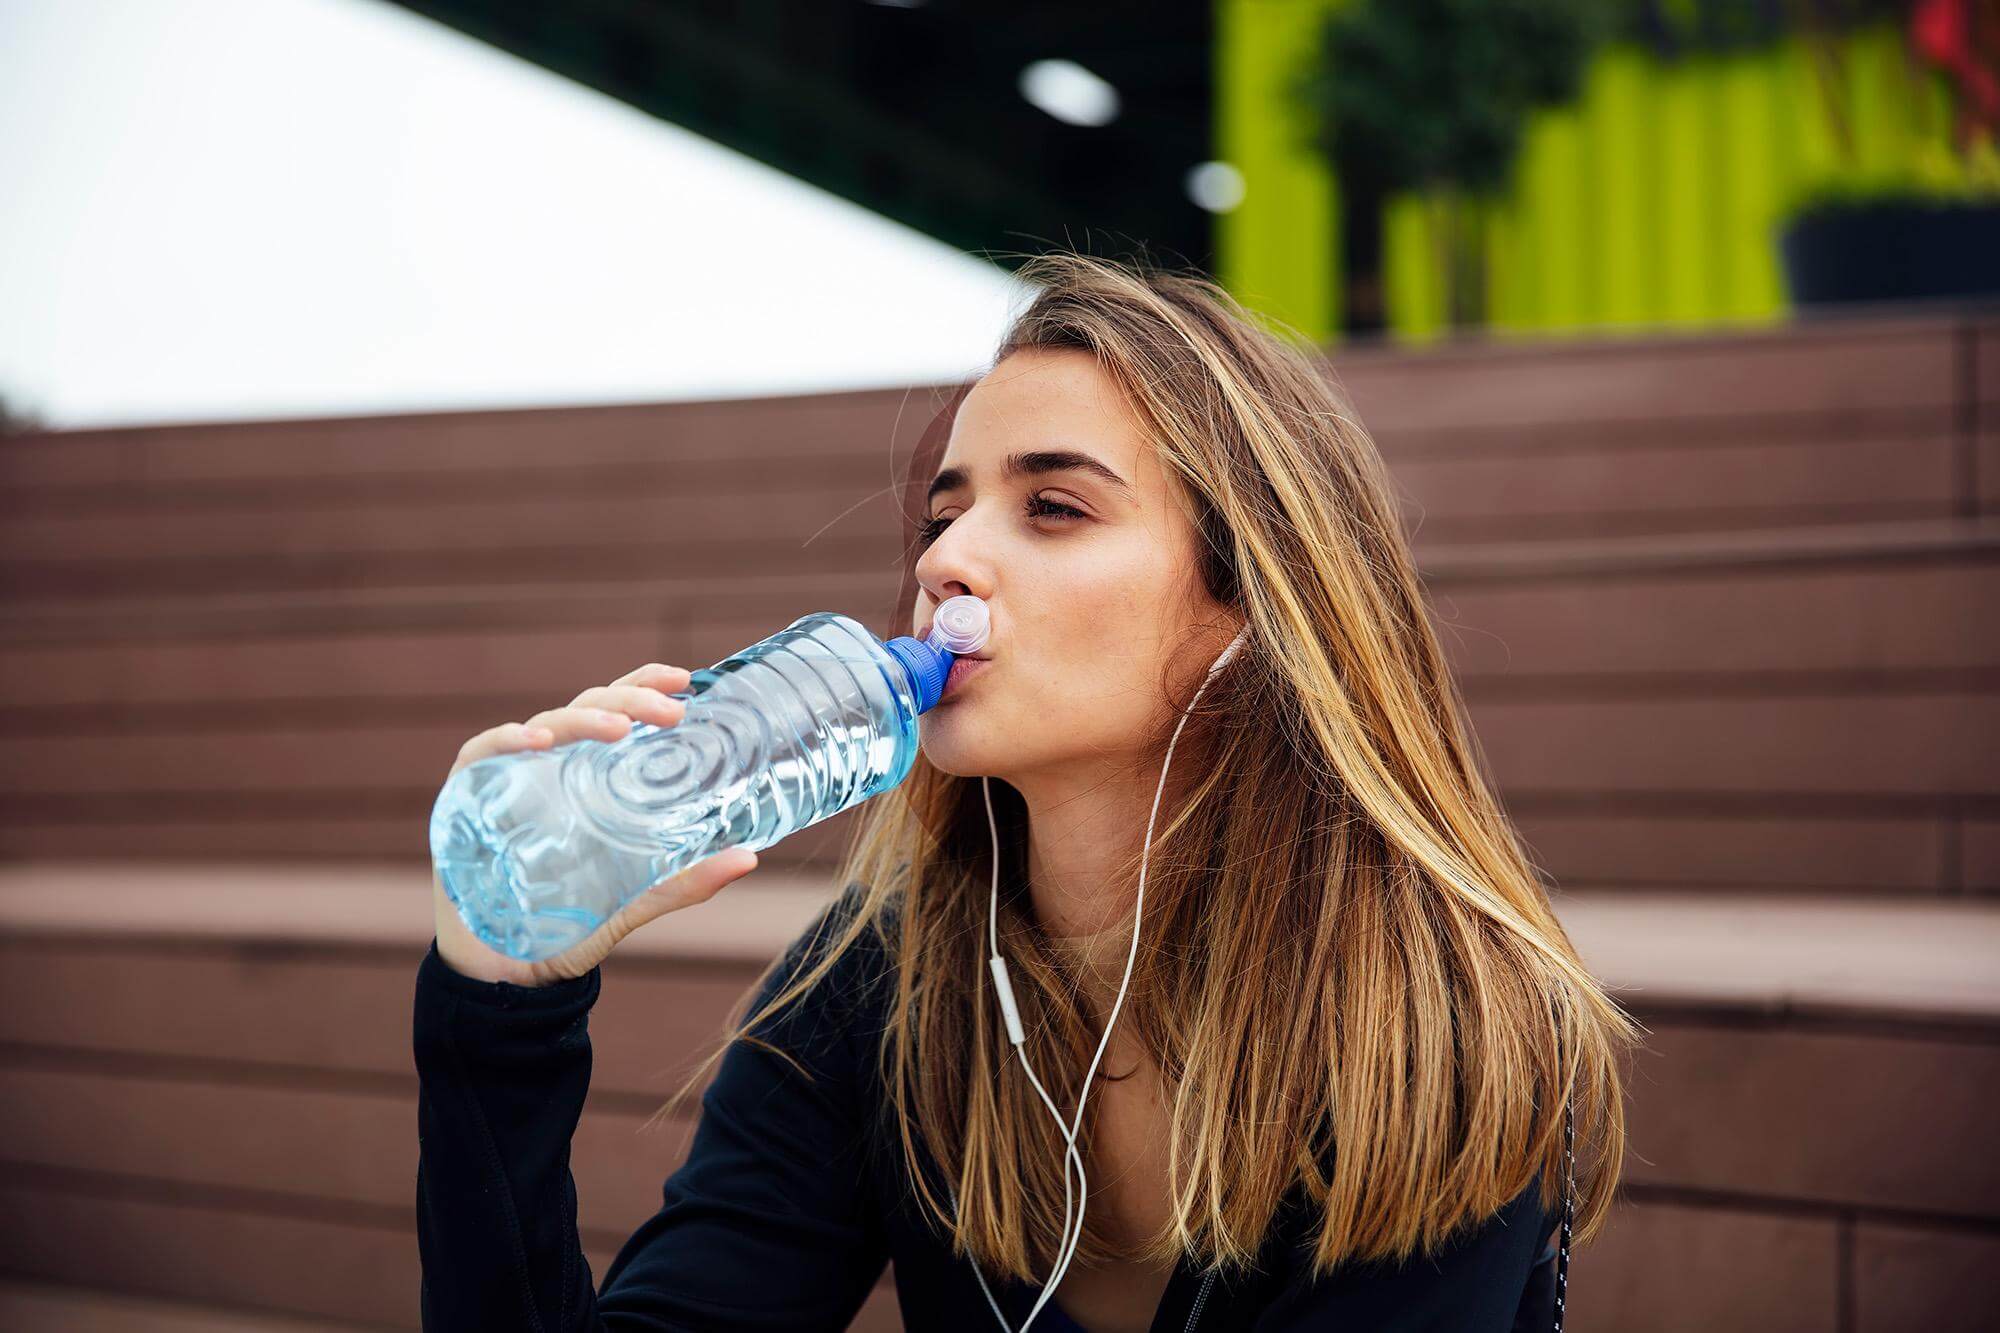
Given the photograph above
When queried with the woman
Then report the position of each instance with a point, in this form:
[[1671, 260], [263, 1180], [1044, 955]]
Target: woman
[[1339, 1030]]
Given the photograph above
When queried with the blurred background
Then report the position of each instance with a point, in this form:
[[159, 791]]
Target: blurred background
[[371, 373]]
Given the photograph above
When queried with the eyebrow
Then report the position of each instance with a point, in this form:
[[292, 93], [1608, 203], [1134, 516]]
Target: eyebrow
[[1033, 463]]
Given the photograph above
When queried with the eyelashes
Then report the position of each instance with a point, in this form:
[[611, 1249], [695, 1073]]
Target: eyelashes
[[930, 529]]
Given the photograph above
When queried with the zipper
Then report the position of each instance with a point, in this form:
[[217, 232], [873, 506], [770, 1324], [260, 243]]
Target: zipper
[[1200, 1299]]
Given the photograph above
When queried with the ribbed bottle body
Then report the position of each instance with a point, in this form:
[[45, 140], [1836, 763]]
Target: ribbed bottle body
[[538, 848]]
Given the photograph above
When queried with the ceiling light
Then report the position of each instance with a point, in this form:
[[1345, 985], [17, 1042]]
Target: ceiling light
[[1069, 92], [1215, 186]]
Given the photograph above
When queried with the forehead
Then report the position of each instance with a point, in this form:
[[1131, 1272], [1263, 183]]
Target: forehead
[[1042, 399]]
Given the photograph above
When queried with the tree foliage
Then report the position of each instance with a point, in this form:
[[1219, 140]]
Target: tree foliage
[[1417, 94]]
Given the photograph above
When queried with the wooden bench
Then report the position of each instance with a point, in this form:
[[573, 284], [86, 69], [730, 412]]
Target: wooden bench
[[1708, 598]]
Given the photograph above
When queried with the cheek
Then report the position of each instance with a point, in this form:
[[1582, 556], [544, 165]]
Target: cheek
[[1116, 598], [1105, 649]]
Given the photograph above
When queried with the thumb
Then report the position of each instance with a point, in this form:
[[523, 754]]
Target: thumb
[[695, 884]]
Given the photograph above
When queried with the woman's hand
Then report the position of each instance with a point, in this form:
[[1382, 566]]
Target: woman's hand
[[606, 713]]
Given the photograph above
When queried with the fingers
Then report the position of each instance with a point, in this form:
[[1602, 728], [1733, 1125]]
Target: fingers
[[639, 701], [503, 739], [698, 883], [701, 881], [659, 675], [602, 712]]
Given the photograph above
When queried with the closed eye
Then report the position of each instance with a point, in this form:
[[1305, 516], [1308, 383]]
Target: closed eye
[[1037, 506]]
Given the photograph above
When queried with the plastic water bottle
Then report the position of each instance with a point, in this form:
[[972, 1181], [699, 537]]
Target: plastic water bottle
[[538, 848]]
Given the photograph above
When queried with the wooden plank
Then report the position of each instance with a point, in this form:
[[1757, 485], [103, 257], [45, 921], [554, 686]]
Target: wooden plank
[[793, 524], [360, 669], [1752, 847], [737, 473], [863, 422], [1667, 1267], [1977, 861], [244, 1006], [1862, 748], [283, 906], [1924, 1277], [218, 1253], [1659, 378], [1677, 631], [1777, 956], [1686, 485], [313, 1142], [42, 1305], [207, 1252], [311, 613], [247, 1013], [732, 550], [1590, 558], [1807, 1116], [225, 833]]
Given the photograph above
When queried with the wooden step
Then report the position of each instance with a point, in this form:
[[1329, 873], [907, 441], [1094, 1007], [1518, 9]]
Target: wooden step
[[1787, 1036], [1836, 668], [44, 1305], [131, 1114]]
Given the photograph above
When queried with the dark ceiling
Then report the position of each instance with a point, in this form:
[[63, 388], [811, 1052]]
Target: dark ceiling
[[913, 110]]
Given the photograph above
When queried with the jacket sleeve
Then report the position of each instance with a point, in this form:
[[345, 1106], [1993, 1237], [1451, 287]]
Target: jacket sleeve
[[770, 1223]]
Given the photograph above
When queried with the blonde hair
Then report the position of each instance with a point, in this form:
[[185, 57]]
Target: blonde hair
[[1344, 942]]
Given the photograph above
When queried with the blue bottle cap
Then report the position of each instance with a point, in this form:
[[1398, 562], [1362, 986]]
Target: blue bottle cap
[[928, 666], [960, 625]]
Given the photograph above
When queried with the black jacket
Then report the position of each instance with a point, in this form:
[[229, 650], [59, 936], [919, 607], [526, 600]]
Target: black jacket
[[793, 1195]]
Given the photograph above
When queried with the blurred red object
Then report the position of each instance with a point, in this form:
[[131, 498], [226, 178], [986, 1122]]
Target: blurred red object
[[1962, 37]]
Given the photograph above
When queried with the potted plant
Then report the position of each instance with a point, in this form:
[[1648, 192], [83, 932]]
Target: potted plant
[[1924, 230], [1435, 96]]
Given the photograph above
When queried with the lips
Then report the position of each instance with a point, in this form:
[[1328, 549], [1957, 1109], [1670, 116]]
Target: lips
[[961, 670]]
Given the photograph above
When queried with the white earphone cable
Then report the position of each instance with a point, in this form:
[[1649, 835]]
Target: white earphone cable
[[1073, 1235]]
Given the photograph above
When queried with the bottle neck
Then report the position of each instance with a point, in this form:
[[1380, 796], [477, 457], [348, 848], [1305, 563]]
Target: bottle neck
[[927, 667]]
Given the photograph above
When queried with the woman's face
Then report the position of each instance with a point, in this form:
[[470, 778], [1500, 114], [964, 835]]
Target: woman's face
[[1087, 573]]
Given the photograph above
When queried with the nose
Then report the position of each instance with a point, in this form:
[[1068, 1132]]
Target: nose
[[946, 570]]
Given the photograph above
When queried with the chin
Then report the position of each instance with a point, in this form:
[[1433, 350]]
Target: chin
[[945, 746], [947, 759]]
